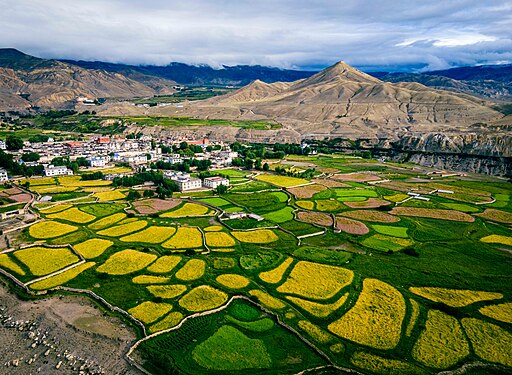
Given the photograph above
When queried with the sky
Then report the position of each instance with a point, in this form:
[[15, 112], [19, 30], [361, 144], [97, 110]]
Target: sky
[[374, 35]]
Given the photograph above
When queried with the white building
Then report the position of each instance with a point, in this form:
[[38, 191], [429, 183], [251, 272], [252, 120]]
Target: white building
[[185, 183], [52, 170], [3, 175], [98, 161], [2, 145], [173, 159], [213, 182]]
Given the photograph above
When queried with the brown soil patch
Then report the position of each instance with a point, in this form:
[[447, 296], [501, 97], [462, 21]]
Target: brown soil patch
[[315, 218], [153, 206], [330, 183], [432, 213], [351, 226], [306, 191], [496, 215], [370, 203], [370, 215], [12, 191], [21, 198]]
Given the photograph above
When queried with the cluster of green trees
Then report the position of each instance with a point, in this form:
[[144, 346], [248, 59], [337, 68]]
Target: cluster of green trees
[[165, 186], [73, 165], [202, 165], [92, 176], [7, 162], [307, 174]]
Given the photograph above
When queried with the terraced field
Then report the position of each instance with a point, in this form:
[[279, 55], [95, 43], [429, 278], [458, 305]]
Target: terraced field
[[332, 271]]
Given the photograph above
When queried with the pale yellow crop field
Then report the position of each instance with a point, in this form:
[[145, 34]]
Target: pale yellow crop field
[[8, 264], [152, 235], [125, 262], [50, 229], [188, 209], [167, 291], [455, 297], [148, 312], [169, 321], [316, 281], [442, 344], [260, 236], [112, 195], [267, 300], [319, 310], [192, 270], [107, 221], [56, 208], [282, 181], [185, 238], [213, 228], [496, 238], [43, 261], [121, 230], [376, 318], [219, 239], [415, 313], [381, 365], [93, 248], [203, 298], [61, 278], [274, 276], [150, 279], [233, 281], [74, 215], [501, 312], [315, 332], [307, 205], [164, 264]]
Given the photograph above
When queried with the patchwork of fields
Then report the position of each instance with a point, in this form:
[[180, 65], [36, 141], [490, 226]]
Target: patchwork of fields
[[336, 271]]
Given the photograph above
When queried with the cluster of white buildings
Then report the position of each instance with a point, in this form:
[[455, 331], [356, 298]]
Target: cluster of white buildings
[[53, 170], [186, 182], [3, 175]]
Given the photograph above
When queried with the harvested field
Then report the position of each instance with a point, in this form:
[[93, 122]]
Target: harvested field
[[164, 264], [125, 262], [233, 281], [61, 278], [260, 236], [185, 238], [50, 229], [330, 183], [316, 309], [485, 336], [219, 239], [152, 235], [282, 181], [74, 215], [433, 213], [192, 270], [167, 291], [203, 298], [121, 230], [43, 261], [501, 312], [369, 203], [442, 344], [188, 209], [307, 191], [148, 312], [274, 276], [351, 226], [317, 218], [372, 216], [376, 318], [267, 300], [107, 221], [496, 238], [356, 177], [21, 198], [316, 281], [496, 215], [455, 297], [149, 279], [153, 206], [93, 248]]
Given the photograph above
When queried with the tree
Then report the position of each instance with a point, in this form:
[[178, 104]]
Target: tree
[[133, 195], [14, 143], [221, 189], [30, 156], [257, 165], [266, 167], [148, 193]]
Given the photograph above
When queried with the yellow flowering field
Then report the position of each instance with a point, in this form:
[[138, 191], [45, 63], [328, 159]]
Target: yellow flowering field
[[56, 208], [307, 205], [43, 261], [319, 310], [8, 264], [501, 312], [261, 236], [188, 209], [316, 281], [148, 312], [107, 221], [50, 229], [61, 278], [213, 228], [315, 332], [455, 297], [192, 270], [267, 300], [219, 239], [79, 183], [164, 264], [125, 262], [381, 365], [185, 238], [442, 344], [41, 181], [415, 313], [150, 279], [121, 230], [274, 276], [496, 238], [52, 189], [490, 342], [93, 248], [233, 281], [151, 234], [74, 215], [169, 321], [112, 195], [167, 291], [281, 181], [203, 298], [376, 318]]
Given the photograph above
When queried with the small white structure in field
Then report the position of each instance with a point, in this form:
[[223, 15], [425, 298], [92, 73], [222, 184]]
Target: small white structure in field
[[3, 175], [445, 191]]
